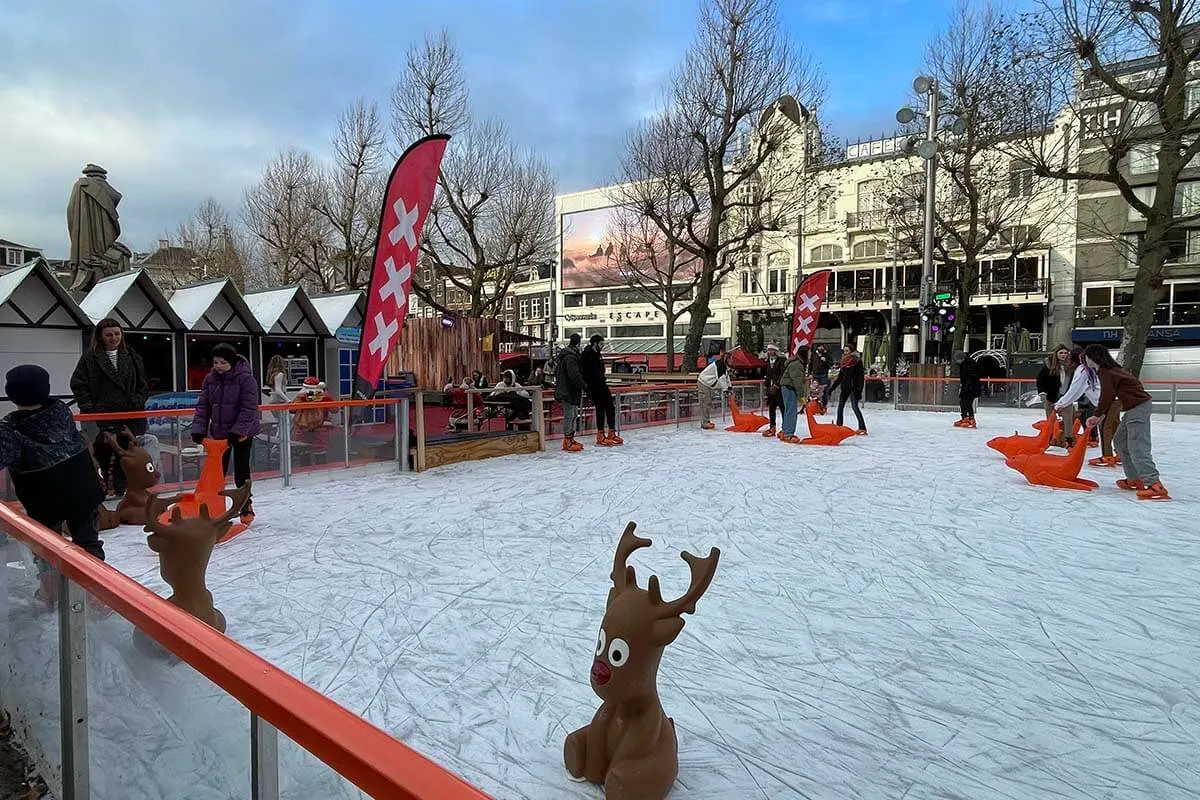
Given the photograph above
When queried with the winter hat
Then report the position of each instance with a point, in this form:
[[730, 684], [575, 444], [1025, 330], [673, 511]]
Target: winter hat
[[27, 385], [772, 346], [226, 352]]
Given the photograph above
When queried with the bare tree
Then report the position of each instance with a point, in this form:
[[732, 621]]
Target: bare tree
[[281, 212], [220, 247], [493, 215], [723, 144], [989, 207], [1117, 74], [648, 262], [351, 190]]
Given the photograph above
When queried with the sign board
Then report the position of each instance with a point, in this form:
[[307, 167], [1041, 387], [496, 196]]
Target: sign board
[[348, 335], [941, 297], [1160, 334]]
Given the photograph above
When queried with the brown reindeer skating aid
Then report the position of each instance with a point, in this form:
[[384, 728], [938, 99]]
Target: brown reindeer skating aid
[[630, 744], [140, 475], [184, 547]]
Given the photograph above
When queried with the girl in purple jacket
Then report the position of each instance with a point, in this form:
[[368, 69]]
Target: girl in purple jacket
[[228, 409]]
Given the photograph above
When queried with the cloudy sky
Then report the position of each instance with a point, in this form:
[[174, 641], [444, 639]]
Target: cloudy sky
[[182, 100]]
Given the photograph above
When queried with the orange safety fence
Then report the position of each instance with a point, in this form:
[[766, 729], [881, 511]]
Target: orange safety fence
[[375, 762]]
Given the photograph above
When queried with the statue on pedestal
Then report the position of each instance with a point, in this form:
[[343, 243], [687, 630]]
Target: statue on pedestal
[[94, 227]]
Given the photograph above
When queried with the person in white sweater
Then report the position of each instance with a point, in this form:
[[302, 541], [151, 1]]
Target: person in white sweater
[[713, 378], [1085, 386]]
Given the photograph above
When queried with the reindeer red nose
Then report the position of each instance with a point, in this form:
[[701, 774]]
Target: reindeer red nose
[[601, 674]]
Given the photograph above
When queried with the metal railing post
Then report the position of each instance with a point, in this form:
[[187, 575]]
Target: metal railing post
[[72, 689], [402, 442], [676, 404], [264, 759], [178, 447], [346, 435], [895, 393], [1174, 399], [285, 447]]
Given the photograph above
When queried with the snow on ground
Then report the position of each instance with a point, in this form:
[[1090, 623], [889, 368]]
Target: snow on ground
[[898, 617]]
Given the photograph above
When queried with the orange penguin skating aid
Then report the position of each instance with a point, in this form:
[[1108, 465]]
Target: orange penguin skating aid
[[744, 422], [1018, 445], [823, 433], [1053, 470]]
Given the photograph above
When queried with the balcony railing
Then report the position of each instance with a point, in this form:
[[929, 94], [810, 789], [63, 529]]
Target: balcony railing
[[874, 219], [1017, 286]]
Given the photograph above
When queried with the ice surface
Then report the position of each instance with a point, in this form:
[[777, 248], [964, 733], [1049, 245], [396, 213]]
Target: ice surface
[[898, 617]]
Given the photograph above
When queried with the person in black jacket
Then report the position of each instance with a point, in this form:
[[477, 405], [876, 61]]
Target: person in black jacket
[[774, 371], [110, 378], [819, 364], [592, 366], [1054, 379], [51, 469], [970, 388], [851, 378], [568, 390]]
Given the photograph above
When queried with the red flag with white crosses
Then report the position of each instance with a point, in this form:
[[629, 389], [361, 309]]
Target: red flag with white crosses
[[810, 296], [406, 203]]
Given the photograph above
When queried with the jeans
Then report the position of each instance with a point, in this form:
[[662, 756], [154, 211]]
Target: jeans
[[83, 533], [823, 382], [1133, 444], [570, 419], [789, 411], [853, 398]]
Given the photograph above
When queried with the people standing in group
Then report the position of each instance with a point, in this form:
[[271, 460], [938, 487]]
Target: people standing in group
[[851, 378], [228, 409], [110, 379], [771, 385], [1132, 439], [712, 379], [970, 389], [594, 378], [52, 473], [568, 390], [1085, 392], [791, 388], [820, 363], [1053, 379]]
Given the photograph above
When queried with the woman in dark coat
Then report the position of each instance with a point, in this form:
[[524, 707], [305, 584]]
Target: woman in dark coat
[[110, 379], [969, 390], [228, 409], [851, 378]]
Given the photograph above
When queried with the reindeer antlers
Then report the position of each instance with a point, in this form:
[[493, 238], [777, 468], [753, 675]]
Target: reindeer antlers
[[702, 569], [155, 508], [238, 496], [622, 574]]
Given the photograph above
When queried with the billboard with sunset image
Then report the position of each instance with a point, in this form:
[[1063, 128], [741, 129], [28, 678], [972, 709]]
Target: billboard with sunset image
[[593, 251]]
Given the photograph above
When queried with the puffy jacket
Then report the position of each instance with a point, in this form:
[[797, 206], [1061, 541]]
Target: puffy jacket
[[793, 375], [821, 362], [228, 403], [568, 378], [99, 388], [44, 452], [851, 376]]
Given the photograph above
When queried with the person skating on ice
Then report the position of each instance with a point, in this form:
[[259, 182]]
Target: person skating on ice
[[851, 377], [820, 363], [228, 409], [568, 390], [1085, 390], [1053, 379], [774, 371], [592, 366], [52, 471], [712, 379], [1132, 440], [970, 389], [791, 383]]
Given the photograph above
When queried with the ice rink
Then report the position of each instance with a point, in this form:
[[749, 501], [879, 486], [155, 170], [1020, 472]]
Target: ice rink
[[898, 617]]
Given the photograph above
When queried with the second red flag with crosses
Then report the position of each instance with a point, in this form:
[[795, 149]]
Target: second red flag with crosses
[[406, 203], [806, 310]]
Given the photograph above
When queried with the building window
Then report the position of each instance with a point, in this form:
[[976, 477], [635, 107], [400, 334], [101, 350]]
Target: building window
[[535, 306], [1187, 198], [572, 300], [524, 308], [712, 329], [13, 258], [872, 248], [569, 332], [636, 331], [870, 195], [1146, 194], [827, 207], [1143, 159], [1020, 181], [1019, 236], [777, 280], [826, 252], [590, 332], [750, 283], [508, 302], [597, 298]]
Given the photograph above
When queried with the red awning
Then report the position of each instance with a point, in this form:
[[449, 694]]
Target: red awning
[[513, 358], [741, 359]]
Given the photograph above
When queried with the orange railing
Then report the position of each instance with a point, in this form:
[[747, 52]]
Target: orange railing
[[364, 755]]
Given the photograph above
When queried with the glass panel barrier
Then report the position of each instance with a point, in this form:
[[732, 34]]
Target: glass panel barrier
[[29, 690], [302, 776], [316, 441], [158, 729], [371, 435]]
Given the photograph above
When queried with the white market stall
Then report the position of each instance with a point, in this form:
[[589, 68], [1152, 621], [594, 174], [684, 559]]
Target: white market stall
[[151, 326], [342, 314], [292, 329], [213, 312]]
